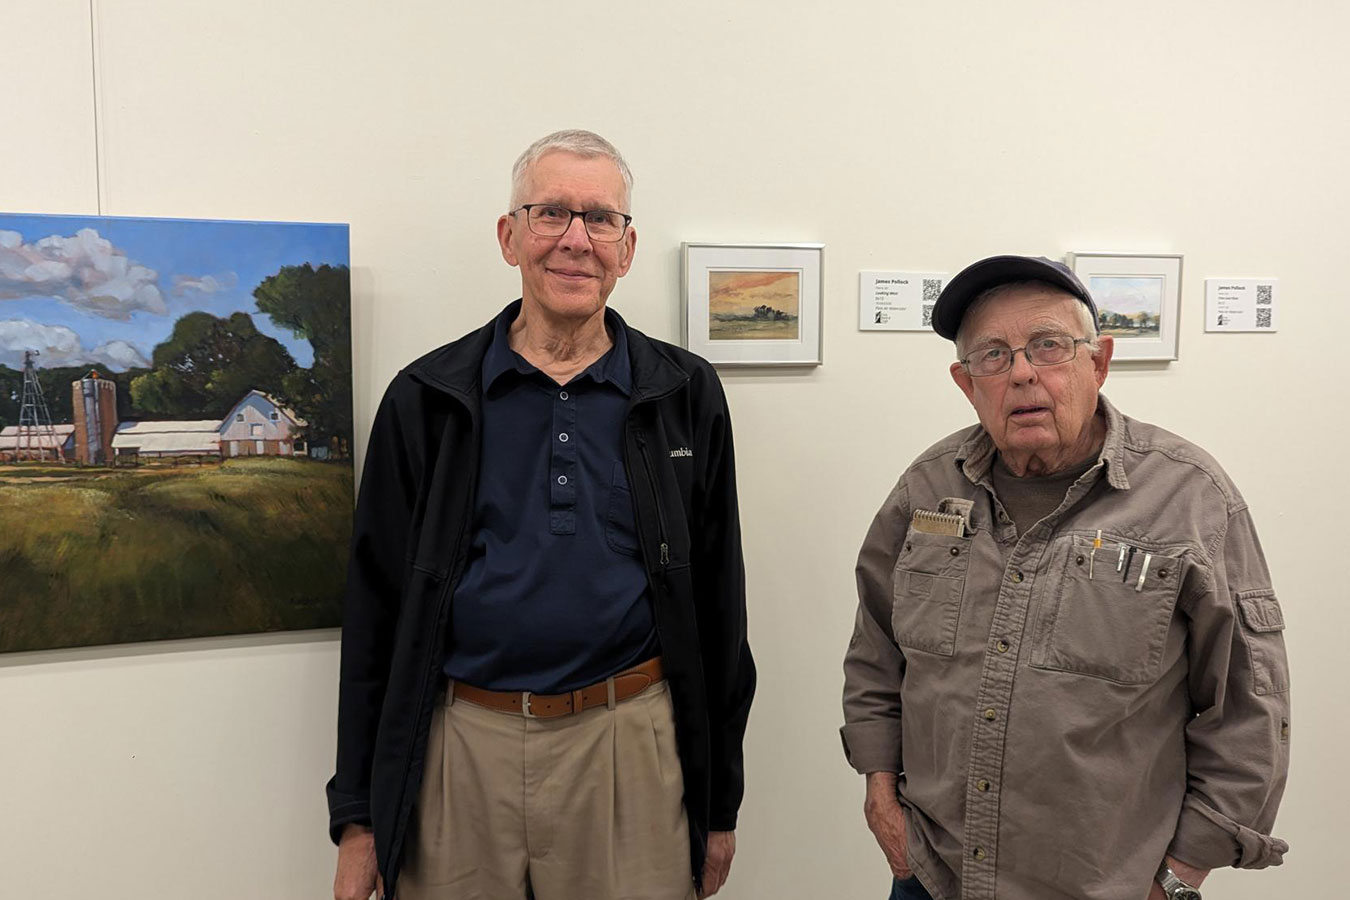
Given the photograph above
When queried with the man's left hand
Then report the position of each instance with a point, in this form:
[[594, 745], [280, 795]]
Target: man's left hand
[[1189, 874], [721, 848]]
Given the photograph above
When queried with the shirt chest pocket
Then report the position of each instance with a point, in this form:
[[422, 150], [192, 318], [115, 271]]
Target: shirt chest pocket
[[929, 584], [1105, 618]]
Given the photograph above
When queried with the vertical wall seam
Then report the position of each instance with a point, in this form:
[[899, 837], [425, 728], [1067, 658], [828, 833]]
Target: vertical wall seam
[[94, 73]]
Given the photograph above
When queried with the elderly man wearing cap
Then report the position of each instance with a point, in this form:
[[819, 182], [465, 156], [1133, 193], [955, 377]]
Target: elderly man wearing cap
[[1066, 677]]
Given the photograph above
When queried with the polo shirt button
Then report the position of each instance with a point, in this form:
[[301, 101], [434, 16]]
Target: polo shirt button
[[983, 785], [562, 479], [990, 714], [562, 395], [979, 853], [1017, 577], [563, 437]]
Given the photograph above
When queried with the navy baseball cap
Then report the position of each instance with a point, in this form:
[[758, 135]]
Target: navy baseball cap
[[979, 277]]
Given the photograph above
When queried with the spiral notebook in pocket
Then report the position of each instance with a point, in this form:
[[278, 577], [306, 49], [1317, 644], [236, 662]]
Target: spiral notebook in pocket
[[952, 518]]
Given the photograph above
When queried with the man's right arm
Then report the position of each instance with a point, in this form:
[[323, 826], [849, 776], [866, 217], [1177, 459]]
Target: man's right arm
[[357, 871], [873, 667], [370, 606], [886, 818]]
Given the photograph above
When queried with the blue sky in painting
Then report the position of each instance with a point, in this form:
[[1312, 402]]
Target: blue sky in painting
[[1127, 295], [168, 267]]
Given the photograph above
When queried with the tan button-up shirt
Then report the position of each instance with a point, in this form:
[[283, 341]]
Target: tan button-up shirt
[[1060, 718]]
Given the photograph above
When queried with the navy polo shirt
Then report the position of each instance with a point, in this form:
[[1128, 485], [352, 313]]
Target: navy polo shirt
[[554, 593]]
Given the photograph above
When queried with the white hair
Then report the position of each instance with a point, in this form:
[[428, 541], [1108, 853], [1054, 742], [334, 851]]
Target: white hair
[[577, 141], [1086, 323]]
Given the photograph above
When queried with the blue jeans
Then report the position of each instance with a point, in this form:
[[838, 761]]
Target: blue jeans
[[909, 889]]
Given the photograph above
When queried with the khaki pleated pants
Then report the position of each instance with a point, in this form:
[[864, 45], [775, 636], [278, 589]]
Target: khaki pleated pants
[[581, 807]]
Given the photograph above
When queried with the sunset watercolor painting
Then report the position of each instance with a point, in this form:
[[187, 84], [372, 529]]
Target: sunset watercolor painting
[[754, 305]]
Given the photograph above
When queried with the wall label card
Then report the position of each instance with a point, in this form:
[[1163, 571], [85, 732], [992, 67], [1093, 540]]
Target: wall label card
[[898, 301], [1242, 304]]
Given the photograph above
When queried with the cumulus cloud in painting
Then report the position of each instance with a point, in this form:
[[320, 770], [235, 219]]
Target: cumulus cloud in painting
[[60, 346], [206, 284], [84, 270]]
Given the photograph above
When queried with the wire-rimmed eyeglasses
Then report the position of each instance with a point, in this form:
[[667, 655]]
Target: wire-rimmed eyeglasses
[[547, 220], [1046, 350]]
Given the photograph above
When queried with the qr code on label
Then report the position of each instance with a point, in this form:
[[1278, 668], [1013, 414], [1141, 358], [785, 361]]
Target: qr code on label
[[1265, 294], [928, 312], [932, 287], [1263, 318]]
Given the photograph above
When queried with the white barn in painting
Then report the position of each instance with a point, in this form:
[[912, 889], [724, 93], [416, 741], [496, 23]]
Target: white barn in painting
[[153, 440], [260, 426], [12, 444]]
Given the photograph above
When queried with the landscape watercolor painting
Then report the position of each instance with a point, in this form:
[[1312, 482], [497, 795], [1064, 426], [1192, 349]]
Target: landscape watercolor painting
[[754, 305], [175, 428], [1128, 306]]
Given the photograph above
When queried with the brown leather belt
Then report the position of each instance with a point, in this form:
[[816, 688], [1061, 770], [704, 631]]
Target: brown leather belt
[[626, 684]]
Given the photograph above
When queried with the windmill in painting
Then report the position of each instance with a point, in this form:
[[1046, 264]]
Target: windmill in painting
[[34, 438], [175, 428]]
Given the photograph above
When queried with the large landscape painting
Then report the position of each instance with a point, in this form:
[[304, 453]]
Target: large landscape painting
[[175, 428]]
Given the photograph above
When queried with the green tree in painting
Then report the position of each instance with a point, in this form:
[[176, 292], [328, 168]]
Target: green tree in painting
[[316, 304], [10, 384], [208, 364]]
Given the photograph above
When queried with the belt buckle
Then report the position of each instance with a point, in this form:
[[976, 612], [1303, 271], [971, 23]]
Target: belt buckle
[[525, 705]]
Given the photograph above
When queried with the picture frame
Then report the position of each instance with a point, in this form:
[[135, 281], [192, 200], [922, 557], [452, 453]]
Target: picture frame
[[176, 428], [1138, 297], [753, 304]]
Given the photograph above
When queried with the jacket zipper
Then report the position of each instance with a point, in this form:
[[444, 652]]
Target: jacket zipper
[[656, 495]]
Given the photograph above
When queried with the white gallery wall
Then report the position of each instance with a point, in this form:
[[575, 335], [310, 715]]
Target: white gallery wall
[[916, 136]]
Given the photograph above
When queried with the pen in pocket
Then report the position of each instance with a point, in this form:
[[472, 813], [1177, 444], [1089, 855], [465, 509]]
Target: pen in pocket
[[1128, 559], [1143, 571]]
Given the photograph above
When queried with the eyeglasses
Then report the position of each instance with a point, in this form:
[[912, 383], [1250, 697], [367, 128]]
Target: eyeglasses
[[1047, 350], [604, 225]]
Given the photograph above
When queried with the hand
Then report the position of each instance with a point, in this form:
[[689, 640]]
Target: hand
[[717, 865], [886, 818], [1187, 873], [357, 872]]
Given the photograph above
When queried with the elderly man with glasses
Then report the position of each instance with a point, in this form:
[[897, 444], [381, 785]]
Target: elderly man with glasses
[[1067, 678], [545, 676]]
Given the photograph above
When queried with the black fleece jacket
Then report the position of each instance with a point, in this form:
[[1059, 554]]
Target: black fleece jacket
[[413, 524]]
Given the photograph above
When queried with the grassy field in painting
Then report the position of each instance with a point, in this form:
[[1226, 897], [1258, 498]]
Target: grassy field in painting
[[748, 328], [1152, 331], [102, 556]]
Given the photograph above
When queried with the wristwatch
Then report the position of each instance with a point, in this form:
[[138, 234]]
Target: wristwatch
[[1173, 887]]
